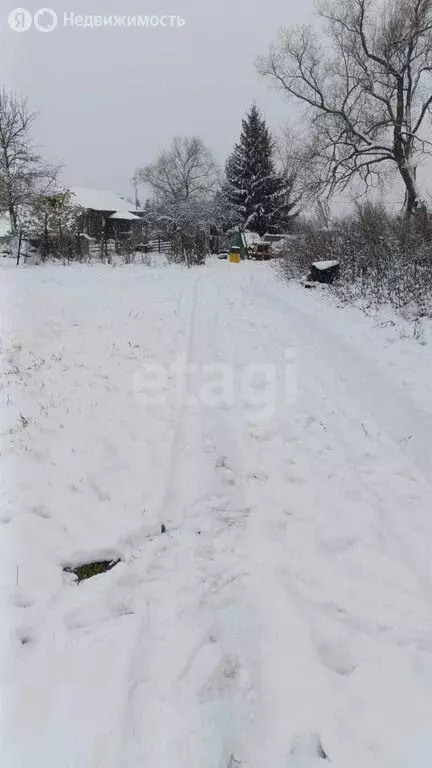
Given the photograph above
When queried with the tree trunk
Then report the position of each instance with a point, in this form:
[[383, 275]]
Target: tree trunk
[[411, 191], [13, 218]]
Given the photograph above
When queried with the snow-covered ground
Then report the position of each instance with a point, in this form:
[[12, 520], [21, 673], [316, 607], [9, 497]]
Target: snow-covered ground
[[284, 619]]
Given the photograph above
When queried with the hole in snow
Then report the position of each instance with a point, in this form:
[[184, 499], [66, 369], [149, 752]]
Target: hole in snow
[[26, 638], [88, 570]]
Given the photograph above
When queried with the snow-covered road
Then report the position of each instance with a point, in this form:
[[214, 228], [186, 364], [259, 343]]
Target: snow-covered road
[[284, 619]]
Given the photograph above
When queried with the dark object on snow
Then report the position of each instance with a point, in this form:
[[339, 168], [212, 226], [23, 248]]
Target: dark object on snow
[[260, 251], [26, 640], [321, 752], [88, 570], [163, 528], [324, 272]]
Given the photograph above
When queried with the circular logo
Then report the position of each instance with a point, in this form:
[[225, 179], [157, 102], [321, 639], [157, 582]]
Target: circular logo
[[45, 20], [20, 20]]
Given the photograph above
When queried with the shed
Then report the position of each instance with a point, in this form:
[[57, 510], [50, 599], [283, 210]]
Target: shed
[[105, 214]]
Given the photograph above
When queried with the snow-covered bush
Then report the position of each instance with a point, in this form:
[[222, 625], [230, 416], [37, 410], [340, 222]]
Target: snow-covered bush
[[384, 259], [188, 226], [50, 224]]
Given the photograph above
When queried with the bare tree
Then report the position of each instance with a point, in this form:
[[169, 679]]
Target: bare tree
[[293, 160], [23, 172], [183, 172], [365, 80], [184, 180]]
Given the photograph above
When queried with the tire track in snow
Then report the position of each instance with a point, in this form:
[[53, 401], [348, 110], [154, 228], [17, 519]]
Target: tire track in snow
[[286, 690], [133, 541], [167, 500], [171, 632], [153, 621], [211, 638]]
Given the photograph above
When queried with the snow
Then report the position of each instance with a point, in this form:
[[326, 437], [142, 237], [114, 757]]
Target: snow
[[99, 200], [125, 216], [286, 613], [325, 264], [5, 226], [251, 237]]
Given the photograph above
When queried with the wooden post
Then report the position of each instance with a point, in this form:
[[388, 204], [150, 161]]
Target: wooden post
[[61, 238], [104, 239], [19, 248], [45, 240]]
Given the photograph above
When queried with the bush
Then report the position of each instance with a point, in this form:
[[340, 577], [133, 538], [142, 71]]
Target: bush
[[384, 259]]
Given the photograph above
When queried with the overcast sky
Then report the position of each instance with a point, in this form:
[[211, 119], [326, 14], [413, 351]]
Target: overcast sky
[[109, 99]]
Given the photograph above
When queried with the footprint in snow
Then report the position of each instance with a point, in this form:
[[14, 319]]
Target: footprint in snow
[[25, 636], [338, 545], [262, 477], [100, 493], [233, 762], [295, 479], [277, 530], [41, 511], [307, 751], [21, 601], [234, 517], [223, 679], [222, 462], [336, 658], [263, 436]]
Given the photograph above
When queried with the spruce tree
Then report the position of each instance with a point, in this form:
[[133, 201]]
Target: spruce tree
[[256, 196]]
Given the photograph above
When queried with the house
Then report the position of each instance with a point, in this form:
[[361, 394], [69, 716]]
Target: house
[[105, 214]]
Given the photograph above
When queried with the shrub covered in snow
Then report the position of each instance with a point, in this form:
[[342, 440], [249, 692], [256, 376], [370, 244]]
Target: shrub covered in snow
[[384, 259]]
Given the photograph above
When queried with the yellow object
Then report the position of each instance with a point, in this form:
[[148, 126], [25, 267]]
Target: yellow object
[[234, 258]]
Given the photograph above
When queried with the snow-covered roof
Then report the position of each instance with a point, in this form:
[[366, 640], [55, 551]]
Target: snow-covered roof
[[273, 237], [99, 199], [325, 264], [124, 216], [251, 237]]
